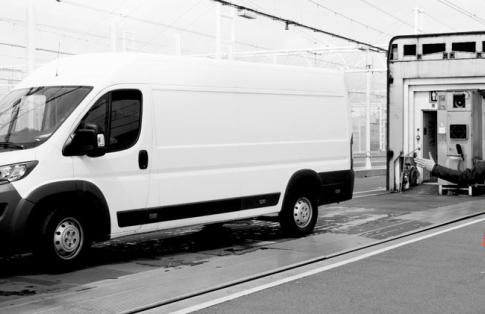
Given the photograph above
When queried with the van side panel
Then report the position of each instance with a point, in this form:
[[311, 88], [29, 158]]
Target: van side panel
[[231, 139], [219, 144], [196, 155], [289, 132]]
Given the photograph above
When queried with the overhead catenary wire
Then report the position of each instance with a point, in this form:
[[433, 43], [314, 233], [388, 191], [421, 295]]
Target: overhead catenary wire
[[38, 49], [67, 32], [146, 21], [387, 13], [305, 35], [185, 13], [289, 22], [321, 6], [402, 21], [463, 11], [179, 17], [438, 21]]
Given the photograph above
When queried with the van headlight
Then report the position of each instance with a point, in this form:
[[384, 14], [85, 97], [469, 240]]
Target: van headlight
[[14, 172]]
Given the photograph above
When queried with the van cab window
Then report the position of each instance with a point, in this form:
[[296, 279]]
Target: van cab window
[[123, 107], [97, 114], [125, 119], [29, 116]]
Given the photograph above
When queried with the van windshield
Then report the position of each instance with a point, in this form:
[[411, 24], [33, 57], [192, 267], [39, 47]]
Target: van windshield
[[29, 116]]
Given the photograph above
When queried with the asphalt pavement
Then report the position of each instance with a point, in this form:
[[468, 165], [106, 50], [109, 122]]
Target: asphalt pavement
[[441, 274]]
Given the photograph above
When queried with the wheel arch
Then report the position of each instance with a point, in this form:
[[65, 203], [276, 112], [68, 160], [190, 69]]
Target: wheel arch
[[75, 192], [304, 177]]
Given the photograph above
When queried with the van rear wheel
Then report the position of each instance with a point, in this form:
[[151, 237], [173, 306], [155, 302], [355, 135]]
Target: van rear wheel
[[63, 240], [299, 213]]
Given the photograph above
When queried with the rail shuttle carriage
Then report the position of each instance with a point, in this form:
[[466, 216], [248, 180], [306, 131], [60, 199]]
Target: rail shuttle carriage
[[436, 105], [96, 147]]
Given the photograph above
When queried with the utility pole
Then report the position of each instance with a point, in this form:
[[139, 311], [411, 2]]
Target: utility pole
[[218, 30], [30, 36], [178, 44], [381, 127], [418, 20], [368, 164], [229, 44], [232, 43], [113, 31], [359, 129], [125, 39]]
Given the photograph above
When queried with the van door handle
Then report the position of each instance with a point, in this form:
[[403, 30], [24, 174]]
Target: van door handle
[[143, 159]]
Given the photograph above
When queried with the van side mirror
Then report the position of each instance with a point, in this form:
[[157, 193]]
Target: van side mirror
[[87, 140]]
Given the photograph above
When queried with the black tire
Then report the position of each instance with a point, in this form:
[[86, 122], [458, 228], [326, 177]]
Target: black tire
[[63, 240], [413, 176], [299, 213]]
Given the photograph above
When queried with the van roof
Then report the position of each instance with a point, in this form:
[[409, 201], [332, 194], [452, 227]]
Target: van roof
[[107, 69]]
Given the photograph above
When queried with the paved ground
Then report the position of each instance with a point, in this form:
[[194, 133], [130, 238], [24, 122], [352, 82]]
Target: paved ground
[[370, 184], [192, 259], [378, 159], [21, 277], [442, 274]]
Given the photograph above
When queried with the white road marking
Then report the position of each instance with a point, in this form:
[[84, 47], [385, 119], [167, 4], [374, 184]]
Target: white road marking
[[318, 270]]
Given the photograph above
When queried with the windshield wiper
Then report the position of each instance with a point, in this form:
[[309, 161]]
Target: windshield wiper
[[11, 145]]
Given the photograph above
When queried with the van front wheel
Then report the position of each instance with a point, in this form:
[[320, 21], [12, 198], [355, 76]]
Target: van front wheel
[[299, 214], [63, 239]]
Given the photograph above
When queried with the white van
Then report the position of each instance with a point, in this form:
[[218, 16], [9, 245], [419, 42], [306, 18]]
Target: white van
[[96, 147]]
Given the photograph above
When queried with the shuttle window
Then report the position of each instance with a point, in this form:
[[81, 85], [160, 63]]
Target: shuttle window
[[464, 46], [458, 131], [459, 101], [125, 119], [393, 52], [409, 50], [433, 48]]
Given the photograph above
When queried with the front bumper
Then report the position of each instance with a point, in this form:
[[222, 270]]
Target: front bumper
[[14, 213]]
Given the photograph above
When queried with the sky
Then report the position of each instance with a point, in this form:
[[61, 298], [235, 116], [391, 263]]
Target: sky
[[68, 27], [157, 26], [153, 25]]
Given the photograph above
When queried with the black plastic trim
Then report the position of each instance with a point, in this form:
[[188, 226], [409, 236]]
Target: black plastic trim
[[17, 213], [80, 189], [3, 207], [13, 219], [174, 212], [336, 186]]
